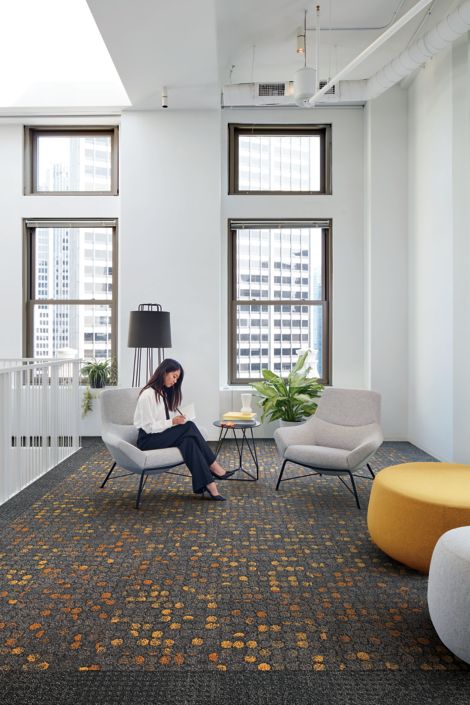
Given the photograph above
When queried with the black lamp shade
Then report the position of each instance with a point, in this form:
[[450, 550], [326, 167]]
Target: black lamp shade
[[149, 329]]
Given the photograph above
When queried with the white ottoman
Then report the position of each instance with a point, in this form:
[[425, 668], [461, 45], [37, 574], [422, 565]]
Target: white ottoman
[[449, 591]]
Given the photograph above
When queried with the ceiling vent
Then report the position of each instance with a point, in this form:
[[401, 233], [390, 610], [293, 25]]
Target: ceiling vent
[[331, 91], [255, 95], [271, 89]]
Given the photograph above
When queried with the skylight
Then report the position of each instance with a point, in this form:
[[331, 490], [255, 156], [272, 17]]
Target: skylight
[[53, 55]]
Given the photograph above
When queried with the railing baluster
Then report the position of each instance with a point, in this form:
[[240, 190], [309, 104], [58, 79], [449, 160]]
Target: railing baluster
[[39, 419]]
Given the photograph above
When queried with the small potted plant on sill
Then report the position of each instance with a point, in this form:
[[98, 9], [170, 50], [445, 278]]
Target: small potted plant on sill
[[290, 399], [97, 373]]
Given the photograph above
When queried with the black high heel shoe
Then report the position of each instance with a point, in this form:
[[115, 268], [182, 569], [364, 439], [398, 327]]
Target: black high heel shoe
[[228, 473], [215, 497]]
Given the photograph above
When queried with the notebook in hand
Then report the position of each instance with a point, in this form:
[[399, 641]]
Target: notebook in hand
[[189, 412]]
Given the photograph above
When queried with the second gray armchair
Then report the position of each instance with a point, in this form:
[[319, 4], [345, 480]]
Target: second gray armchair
[[338, 440]]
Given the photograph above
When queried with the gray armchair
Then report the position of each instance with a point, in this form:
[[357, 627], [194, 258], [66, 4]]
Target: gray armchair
[[119, 435], [338, 440]]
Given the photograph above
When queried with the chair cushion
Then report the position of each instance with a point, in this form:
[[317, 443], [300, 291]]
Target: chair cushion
[[162, 456], [337, 436], [319, 456]]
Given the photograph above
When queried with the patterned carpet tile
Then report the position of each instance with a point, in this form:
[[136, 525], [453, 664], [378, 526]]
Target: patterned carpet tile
[[267, 581]]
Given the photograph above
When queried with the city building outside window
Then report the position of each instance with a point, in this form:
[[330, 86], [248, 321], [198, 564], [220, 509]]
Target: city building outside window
[[280, 296], [71, 160], [271, 159], [70, 288]]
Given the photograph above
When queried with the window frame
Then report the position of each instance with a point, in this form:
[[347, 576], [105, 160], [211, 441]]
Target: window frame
[[326, 301], [237, 129], [31, 135], [29, 281]]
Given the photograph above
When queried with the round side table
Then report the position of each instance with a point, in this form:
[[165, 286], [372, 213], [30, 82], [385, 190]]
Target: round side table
[[243, 441]]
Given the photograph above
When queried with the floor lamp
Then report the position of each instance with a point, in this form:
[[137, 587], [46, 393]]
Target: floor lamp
[[149, 329]]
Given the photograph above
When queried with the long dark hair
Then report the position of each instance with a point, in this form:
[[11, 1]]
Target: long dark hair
[[156, 382]]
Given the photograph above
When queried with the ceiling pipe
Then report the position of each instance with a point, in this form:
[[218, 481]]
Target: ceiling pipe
[[371, 48], [445, 33]]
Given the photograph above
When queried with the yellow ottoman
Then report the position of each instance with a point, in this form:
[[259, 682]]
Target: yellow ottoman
[[413, 504]]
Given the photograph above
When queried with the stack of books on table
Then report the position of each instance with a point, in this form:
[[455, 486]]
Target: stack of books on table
[[238, 417]]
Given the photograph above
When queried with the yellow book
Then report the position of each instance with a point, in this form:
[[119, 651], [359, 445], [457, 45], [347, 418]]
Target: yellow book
[[238, 416]]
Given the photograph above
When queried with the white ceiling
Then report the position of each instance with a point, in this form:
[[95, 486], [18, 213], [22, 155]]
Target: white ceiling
[[196, 48]]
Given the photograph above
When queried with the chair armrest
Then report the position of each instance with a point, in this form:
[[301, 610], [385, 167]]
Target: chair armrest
[[366, 449], [125, 454], [286, 436]]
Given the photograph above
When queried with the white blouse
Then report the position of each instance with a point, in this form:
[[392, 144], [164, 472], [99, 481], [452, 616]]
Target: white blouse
[[150, 413]]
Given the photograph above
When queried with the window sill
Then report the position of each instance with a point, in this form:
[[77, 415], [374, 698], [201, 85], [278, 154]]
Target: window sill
[[236, 388]]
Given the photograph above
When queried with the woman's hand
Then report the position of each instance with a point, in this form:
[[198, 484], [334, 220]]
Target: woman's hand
[[178, 420]]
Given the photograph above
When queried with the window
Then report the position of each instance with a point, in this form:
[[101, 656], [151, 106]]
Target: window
[[291, 308], [269, 159], [71, 160], [70, 295]]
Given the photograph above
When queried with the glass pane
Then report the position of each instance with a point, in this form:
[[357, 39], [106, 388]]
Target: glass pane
[[77, 163], [280, 263], [270, 337], [84, 329], [73, 263], [279, 163]]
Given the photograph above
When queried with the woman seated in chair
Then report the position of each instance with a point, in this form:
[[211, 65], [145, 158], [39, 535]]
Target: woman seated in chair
[[161, 425]]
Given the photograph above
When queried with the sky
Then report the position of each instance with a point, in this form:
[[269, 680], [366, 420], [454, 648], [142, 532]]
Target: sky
[[52, 54]]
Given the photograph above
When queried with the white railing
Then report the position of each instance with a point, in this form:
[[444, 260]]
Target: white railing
[[39, 419]]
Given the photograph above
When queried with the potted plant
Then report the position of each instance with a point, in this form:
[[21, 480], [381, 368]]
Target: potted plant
[[87, 401], [290, 399], [97, 373]]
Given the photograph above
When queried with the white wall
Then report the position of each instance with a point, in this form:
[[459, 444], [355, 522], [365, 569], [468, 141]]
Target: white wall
[[385, 252], [173, 212], [11, 213], [439, 256], [170, 241]]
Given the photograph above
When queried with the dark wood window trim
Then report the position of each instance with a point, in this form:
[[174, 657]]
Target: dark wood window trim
[[324, 131], [29, 283], [31, 135], [325, 302]]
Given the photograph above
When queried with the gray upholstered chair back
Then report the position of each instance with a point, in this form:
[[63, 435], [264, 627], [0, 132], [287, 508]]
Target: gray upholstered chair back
[[117, 412], [348, 407]]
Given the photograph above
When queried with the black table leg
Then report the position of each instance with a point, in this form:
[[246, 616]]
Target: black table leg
[[241, 443]]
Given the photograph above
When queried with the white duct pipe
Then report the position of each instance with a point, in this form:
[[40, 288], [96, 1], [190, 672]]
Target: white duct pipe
[[444, 34], [420, 5]]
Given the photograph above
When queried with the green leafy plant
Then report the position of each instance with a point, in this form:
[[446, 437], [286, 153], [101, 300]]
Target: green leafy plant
[[291, 398], [87, 401], [97, 373], [113, 373]]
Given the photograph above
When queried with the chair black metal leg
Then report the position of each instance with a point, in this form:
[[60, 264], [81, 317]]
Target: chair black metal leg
[[370, 470], [281, 473], [355, 490], [141, 485], [108, 475]]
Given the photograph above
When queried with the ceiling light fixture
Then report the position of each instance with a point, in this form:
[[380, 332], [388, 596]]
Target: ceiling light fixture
[[300, 41], [305, 79]]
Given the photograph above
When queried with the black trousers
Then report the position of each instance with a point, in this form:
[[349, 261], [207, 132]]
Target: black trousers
[[196, 453]]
